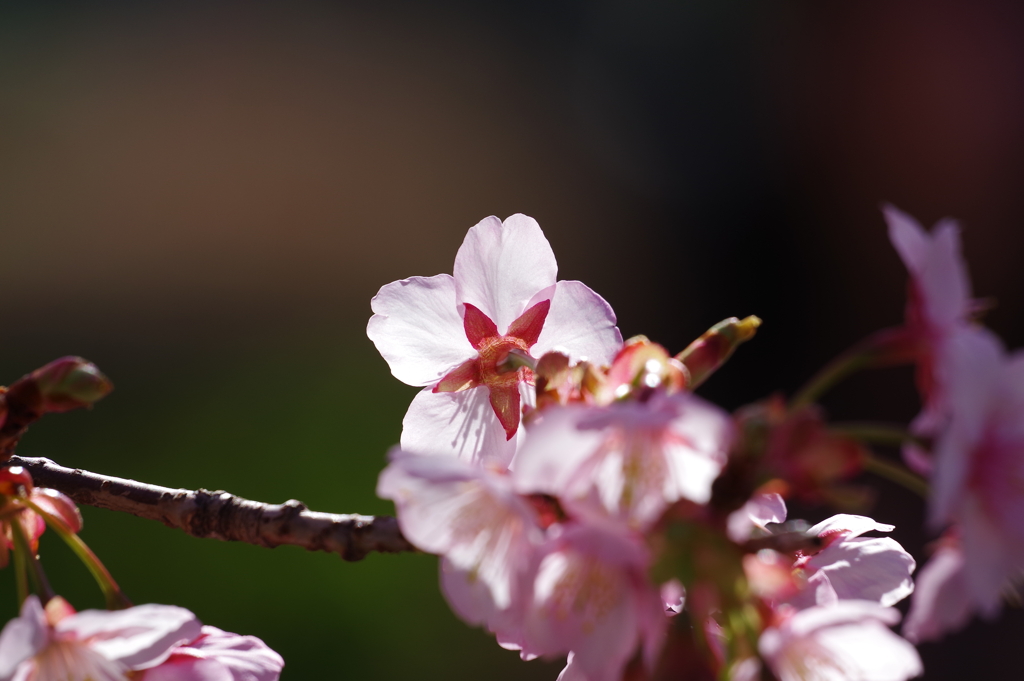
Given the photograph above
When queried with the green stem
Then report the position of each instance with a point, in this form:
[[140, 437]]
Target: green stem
[[878, 433], [111, 591], [40, 584], [896, 473], [850, 362], [20, 572]]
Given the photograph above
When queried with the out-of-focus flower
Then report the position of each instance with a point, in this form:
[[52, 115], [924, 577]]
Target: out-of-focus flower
[[472, 517], [977, 483], [591, 597], [57, 644], [848, 640], [629, 460], [943, 599], [852, 567], [939, 304], [470, 338], [218, 656], [763, 508], [15, 489]]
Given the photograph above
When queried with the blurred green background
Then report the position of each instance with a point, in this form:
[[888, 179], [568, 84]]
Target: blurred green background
[[202, 198]]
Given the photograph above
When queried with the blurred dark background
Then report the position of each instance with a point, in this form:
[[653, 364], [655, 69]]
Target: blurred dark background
[[203, 197]]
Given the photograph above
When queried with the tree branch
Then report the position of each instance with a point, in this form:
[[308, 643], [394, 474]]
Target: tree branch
[[224, 516]]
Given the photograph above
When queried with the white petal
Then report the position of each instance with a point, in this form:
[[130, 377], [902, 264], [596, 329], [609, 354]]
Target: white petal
[[417, 328], [502, 267], [760, 510], [581, 324], [137, 637], [460, 424]]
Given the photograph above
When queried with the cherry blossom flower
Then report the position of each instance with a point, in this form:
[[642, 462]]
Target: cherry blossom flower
[[848, 640], [218, 656], [469, 338], [591, 598], [939, 305], [852, 567], [57, 644], [978, 480], [472, 517], [629, 460]]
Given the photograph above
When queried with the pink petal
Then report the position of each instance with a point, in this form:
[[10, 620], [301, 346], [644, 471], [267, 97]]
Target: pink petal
[[756, 513], [580, 324], [867, 569], [941, 603], [470, 515], [848, 640], [182, 668], [220, 656], [461, 425], [418, 330], [907, 237], [138, 637], [972, 365], [500, 267], [848, 526], [22, 637]]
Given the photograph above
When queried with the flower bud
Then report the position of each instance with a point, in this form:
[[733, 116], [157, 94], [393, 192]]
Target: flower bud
[[704, 355], [69, 383], [15, 481]]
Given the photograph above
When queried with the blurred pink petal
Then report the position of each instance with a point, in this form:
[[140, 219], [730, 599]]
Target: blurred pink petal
[[942, 601], [471, 516], [629, 460], [848, 640], [756, 514], [219, 656], [591, 597]]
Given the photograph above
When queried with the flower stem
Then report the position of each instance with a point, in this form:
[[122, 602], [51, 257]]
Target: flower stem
[[850, 362], [116, 600], [896, 473], [40, 584], [20, 573], [878, 433]]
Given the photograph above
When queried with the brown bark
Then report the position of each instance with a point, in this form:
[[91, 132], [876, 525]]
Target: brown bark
[[224, 516]]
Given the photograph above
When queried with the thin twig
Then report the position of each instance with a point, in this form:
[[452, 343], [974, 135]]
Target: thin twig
[[219, 515]]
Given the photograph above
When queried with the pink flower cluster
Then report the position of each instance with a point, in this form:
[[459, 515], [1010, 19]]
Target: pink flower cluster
[[973, 391], [555, 470]]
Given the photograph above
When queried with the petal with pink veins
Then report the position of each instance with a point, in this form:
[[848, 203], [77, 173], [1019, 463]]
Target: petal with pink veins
[[461, 425], [500, 267], [418, 330]]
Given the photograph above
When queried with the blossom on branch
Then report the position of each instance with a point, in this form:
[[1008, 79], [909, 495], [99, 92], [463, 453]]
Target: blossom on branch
[[470, 339]]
